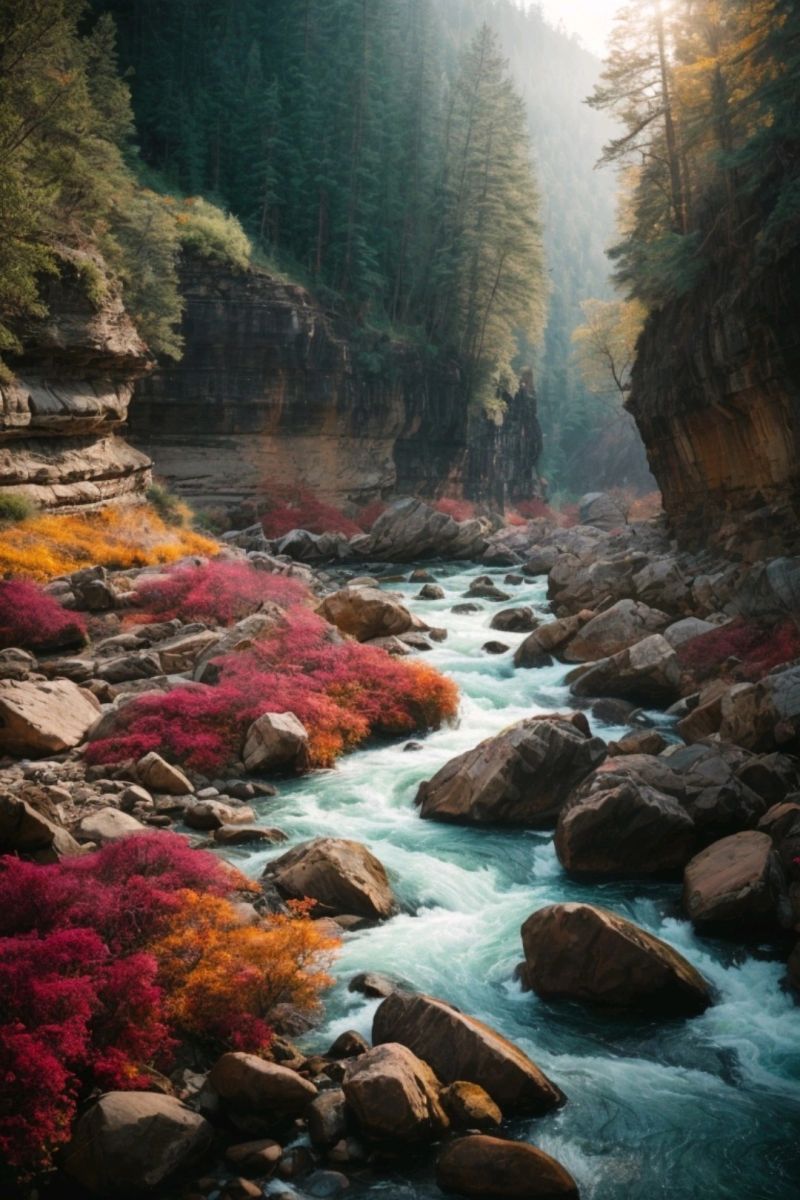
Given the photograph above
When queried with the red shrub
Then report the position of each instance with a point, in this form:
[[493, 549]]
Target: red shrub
[[219, 592], [536, 507], [33, 620], [106, 957], [759, 647], [72, 1018], [341, 691], [459, 510], [298, 508]]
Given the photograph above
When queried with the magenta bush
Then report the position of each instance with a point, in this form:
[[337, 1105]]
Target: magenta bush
[[32, 620]]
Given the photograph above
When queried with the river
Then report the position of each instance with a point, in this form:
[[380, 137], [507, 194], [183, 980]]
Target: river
[[707, 1108]]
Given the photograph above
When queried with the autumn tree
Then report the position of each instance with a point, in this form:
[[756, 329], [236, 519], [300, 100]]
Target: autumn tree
[[605, 345]]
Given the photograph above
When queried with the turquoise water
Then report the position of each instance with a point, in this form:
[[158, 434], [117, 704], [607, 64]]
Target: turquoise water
[[706, 1109]]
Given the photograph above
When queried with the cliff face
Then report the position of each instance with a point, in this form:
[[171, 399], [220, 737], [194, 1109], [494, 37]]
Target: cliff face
[[69, 394], [716, 396], [273, 391]]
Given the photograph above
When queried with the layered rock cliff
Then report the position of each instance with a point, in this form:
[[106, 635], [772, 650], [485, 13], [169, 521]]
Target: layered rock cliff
[[716, 396], [272, 390], [61, 410]]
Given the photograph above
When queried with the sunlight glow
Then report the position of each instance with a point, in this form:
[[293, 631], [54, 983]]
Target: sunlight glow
[[590, 19]]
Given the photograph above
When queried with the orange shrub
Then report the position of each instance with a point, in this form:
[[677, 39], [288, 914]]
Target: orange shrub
[[55, 544], [223, 975]]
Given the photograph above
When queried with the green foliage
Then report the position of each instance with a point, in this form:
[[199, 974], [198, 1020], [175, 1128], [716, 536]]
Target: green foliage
[[707, 94], [170, 508], [212, 233], [14, 508]]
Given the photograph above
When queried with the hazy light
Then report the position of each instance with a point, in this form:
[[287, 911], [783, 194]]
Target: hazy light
[[590, 19]]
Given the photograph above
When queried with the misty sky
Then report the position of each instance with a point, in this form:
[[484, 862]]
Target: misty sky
[[590, 18]]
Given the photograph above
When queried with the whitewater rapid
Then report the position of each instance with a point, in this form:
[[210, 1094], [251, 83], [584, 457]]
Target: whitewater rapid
[[704, 1109]]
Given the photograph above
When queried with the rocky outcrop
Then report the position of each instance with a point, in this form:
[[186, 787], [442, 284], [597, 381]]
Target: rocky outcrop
[[274, 390], [520, 777], [44, 718], [488, 1168], [459, 1047], [714, 393], [735, 883], [341, 875], [394, 1095], [580, 952], [61, 412], [366, 612], [128, 1143]]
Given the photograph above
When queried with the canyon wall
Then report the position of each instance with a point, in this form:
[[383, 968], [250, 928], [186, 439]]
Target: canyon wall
[[273, 390], [67, 396], [716, 396]]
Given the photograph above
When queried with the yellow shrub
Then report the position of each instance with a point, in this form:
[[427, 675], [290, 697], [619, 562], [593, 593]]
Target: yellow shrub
[[55, 544]]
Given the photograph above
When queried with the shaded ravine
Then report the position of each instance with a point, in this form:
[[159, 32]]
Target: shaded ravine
[[704, 1108]]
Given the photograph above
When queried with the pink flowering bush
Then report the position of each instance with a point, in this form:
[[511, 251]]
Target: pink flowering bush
[[32, 620], [297, 507], [106, 959], [218, 593], [342, 691]]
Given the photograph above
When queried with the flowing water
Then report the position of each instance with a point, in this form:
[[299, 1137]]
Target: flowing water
[[707, 1108]]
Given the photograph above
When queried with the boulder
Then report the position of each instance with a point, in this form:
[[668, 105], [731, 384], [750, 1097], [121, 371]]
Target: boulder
[[38, 718], [244, 835], [629, 830], [26, 828], [484, 589], [520, 777], [276, 740], [489, 1168], [210, 815], [431, 591], [684, 630], [466, 608], [239, 637], [514, 620], [257, 1092], [642, 741], [735, 883], [617, 628], [647, 673], [469, 1106], [327, 1119], [157, 775], [394, 1095], [458, 1047], [409, 530], [366, 612], [581, 952], [662, 583], [18, 664], [601, 510], [341, 875], [782, 823], [131, 1142], [495, 648], [547, 639], [765, 715], [107, 825]]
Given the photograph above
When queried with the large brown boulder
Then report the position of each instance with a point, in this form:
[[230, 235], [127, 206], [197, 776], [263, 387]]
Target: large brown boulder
[[38, 718], [157, 775], [545, 641], [581, 952], [460, 1047], [341, 875], [257, 1093], [469, 1106], [489, 1168], [394, 1095], [276, 740], [514, 620], [366, 612], [629, 830], [28, 827], [618, 627], [735, 883], [647, 673], [764, 715], [520, 777], [105, 825], [131, 1142]]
